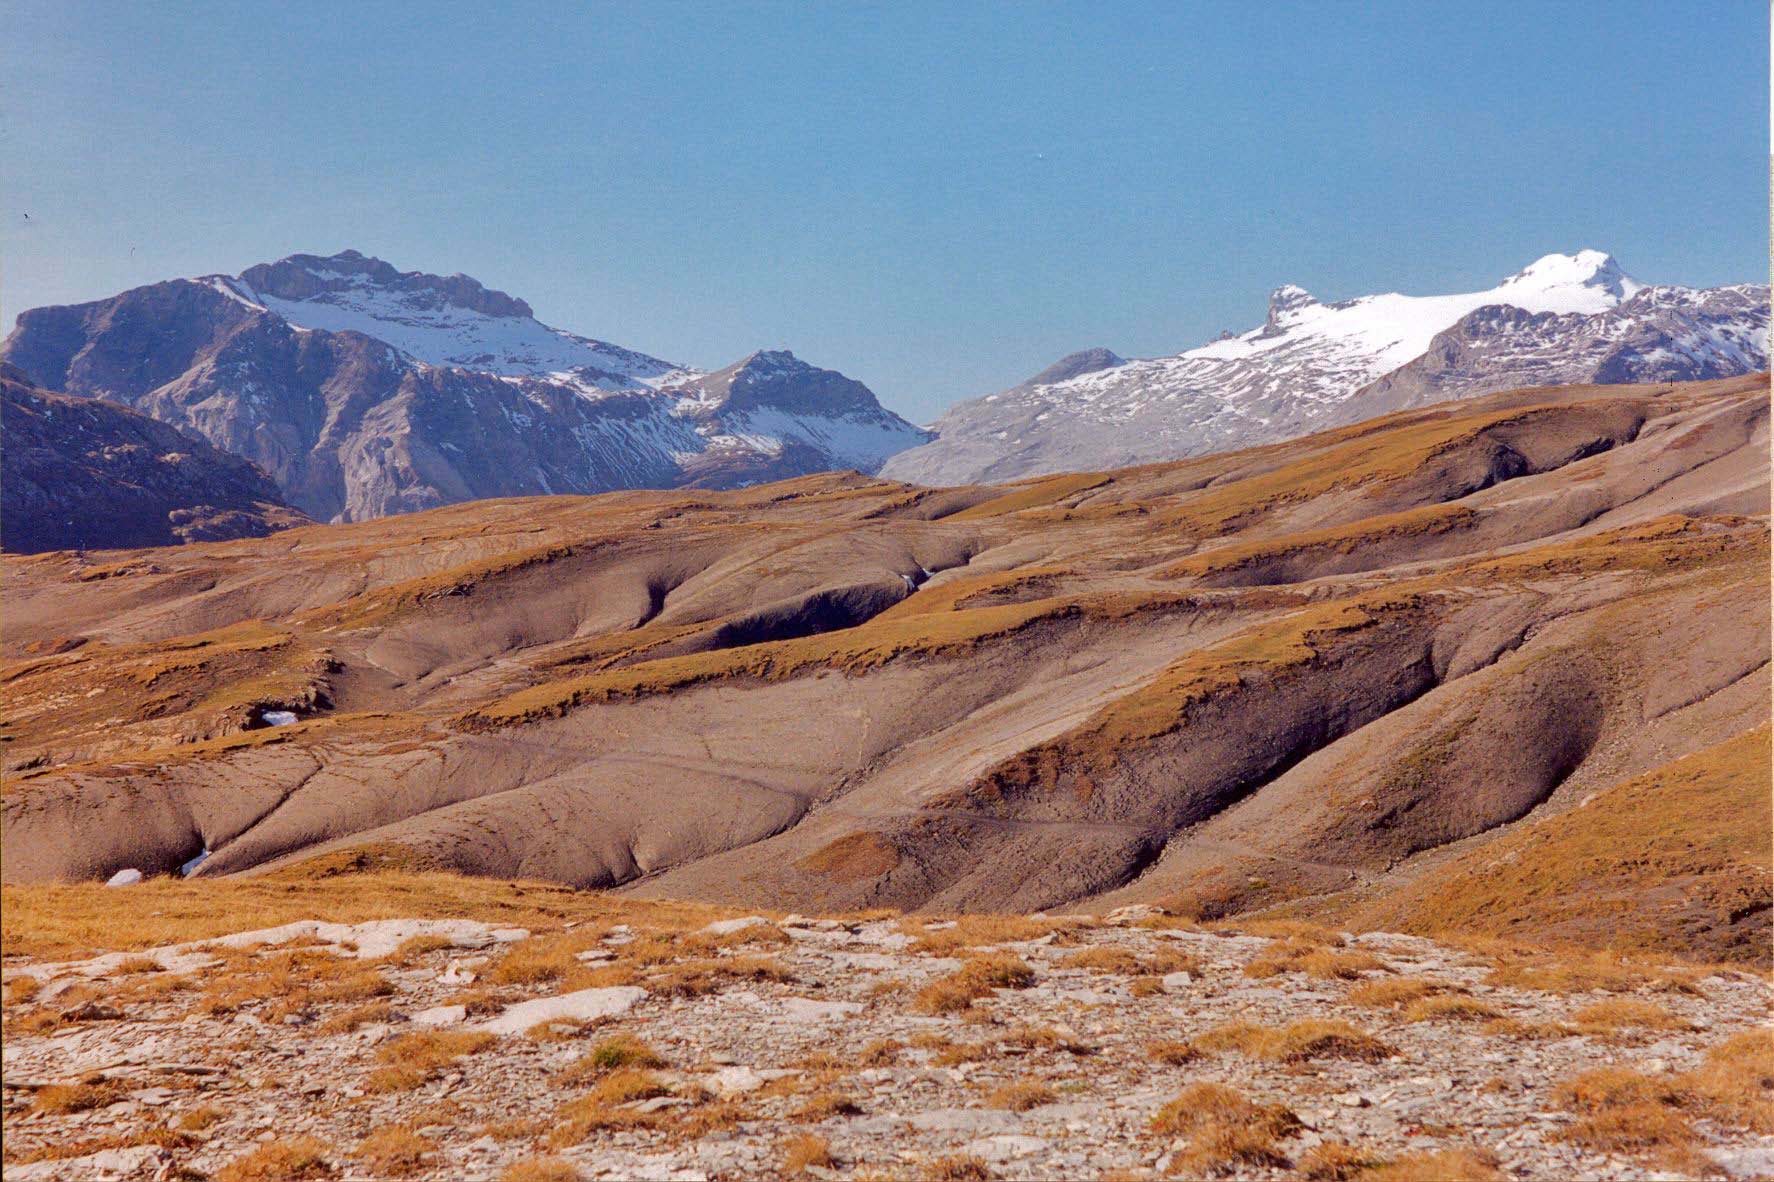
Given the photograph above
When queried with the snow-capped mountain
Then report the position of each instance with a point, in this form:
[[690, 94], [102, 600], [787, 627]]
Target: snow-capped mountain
[[365, 390], [447, 321], [1565, 318]]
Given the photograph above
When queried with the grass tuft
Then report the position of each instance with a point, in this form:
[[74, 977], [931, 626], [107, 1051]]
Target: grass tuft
[[1020, 1096], [1310, 1038], [295, 1160]]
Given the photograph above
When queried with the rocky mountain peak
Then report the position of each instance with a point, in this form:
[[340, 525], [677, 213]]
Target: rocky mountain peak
[[776, 379], [1288, 298], [302, 277], [1076, 365]]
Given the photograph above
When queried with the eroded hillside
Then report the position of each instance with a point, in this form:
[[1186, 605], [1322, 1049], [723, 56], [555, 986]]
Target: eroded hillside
[[1297, 676]]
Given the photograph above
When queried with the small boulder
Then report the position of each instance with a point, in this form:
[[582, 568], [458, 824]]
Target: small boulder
[[442, 1015], [727, 927]]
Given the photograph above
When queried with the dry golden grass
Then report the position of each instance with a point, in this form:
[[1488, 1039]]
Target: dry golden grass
[[1172, 1053], [1585, 971], [1533, 1031], [64, 921], [414, 947], [1020, 1096], [1310, 1038], [540, 1169], [1395, 992], [709, 1118], [361, 1016], [580, 1119], [411, 1059], [953, 1054], [1313, 959], [960, 1168], [395, 1151], [1225, 1129], [612, 1054], [1701, 821], [855, 857], [882, 1052], [974, 931], [1631, 1128], [806, 1150], [1103, 960], [1046, 1038], [945, 996], [1448, 1008], [64, 1099], [697, 978], [997, 970], [1334, 1161], [198, 1119], [1735, 1084], [1626, 1111], [1365, 535], [1216, 1148], [521, 1129], [1202, 1103], [294, 1160], [1617, 1087], [1292, 930], [977, 977], [869, 645], [825, 1104], [626, 1085], [537, 960], [61, 1150], [1447, 1165], [1099, 746], [292, 980], [1035, 493]]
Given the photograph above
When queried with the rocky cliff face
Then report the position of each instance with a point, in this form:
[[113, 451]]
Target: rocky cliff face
[[79, 473], [364, 390], [1565, 318]]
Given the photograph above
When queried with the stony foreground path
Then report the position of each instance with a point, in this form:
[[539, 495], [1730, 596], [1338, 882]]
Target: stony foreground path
[[879, 1048]]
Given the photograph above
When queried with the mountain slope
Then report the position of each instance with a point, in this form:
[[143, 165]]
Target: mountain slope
[[365, 391], [1244, 681], [1311, 365], [76, 473]]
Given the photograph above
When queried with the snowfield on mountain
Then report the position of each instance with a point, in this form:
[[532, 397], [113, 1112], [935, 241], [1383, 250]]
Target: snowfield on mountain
[[1311, 365]]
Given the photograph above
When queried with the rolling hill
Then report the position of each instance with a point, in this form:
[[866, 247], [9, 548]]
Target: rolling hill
[[1300, 676]]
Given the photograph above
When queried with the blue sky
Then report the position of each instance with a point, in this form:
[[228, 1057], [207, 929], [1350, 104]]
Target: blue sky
[[938, 198]]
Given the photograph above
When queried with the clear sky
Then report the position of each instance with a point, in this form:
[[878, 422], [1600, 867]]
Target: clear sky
[[936, 198]]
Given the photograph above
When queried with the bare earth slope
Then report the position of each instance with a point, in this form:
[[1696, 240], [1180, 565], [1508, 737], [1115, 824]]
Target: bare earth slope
[[1305, 676]]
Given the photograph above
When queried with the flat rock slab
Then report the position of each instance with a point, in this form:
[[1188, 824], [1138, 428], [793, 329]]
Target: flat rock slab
[[965, 1120], [583, 1006], [1004, 1146]]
